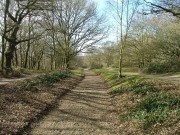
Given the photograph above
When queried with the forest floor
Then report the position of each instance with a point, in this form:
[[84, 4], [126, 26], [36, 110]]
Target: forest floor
[[86, 110], [25, 100]]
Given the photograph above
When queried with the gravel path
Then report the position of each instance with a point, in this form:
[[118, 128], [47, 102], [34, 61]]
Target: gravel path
[[87, 110]]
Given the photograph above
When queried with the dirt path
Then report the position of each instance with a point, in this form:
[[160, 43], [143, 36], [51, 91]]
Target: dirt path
[[87, 110], [164, 77], [10, 80]]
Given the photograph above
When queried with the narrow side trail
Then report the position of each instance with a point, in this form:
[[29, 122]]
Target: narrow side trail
[[86, 110]]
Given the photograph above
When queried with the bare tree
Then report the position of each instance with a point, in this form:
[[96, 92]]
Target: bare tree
[[169, 6], [4, 25], [125, 11], [78, 27], [16, 11]]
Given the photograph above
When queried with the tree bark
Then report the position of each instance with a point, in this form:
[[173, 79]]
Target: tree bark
[[3, 52], [28, 43], [26, 55], [122, 44], [9, 57], [4, 32], [16, 57]]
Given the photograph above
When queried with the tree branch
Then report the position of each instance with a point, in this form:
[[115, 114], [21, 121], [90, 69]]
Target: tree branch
[[177, 14]]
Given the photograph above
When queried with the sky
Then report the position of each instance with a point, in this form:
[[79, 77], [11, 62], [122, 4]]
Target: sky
[[106, 10], [109, 11]]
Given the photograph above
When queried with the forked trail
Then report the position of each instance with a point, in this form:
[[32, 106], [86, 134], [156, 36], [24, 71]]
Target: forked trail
[[86, 110]]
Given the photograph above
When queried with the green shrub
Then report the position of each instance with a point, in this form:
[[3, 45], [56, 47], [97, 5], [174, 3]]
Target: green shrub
[[100, 71], [143, 88], [95, 66], [110, 77], [134, 84], [50, 79], [152, 107], [154, 68], [155, 108], [157, 101], [46, 80], [29, 85], [161, 67], [78, 72]]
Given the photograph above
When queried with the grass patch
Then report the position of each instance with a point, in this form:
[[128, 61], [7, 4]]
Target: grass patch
[[151, 104], [135, 69], [78, 72], [110, 77], [46, 80], [136, 84], [155, 108]]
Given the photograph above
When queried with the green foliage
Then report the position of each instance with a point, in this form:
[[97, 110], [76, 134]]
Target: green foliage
[[50, 79], [142, 87], [95, 65], [110, 77], [100, 71], [134, 84], [161, 67], [155, 108], [152, 107], [78, 72], [47, 80], [131, 69], [29, 85], [157, 101]]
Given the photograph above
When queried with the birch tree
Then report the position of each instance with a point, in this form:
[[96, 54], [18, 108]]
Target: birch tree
[[125, 10]]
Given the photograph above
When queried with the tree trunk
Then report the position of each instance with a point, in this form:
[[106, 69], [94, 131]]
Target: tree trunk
[[16, 58], [3, 52], [26, 55], [9, 57], [39, 64], [21, 55], [121, 45], [28, 44], [30, 61], [4, 32], [52, 62], [120, 60]]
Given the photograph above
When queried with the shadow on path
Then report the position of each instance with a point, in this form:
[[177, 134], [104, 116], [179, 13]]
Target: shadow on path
[[87, 110]]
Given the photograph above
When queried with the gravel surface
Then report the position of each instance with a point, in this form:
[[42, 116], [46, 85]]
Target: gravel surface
[[86, 110]]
